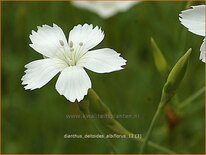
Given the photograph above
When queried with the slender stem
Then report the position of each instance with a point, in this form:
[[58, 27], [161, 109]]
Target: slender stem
[[142, 140], [101, 132], [158, 147], [94, 105], [150, 143], [153, 145], [162, 102], [192, 98], [154, 119]]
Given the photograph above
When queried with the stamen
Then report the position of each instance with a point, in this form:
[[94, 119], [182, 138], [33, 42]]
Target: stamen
[[61, 42], [80, 44], [70, 44], [72, 49]]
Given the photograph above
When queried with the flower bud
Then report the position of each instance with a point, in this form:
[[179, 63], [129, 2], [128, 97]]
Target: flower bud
[[159, 59], [97, 107], [177, 74]]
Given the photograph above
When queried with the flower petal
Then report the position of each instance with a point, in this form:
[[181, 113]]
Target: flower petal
[[73, 83], [105, 9], [86, 34], [194, 19], [40, 72], [49, 41], [202, 49], [102, 61]]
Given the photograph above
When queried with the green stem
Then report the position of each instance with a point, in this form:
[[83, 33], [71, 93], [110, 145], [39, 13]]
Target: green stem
[[94, 105], [174, 79], [158, 147], [154, 119], [192, 98], [85, 111], [150, 143], [122, 130], [109, 142]]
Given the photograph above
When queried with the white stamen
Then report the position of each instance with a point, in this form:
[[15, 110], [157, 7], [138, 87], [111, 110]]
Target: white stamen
[[80, 44], [70, 44], [61, 42]]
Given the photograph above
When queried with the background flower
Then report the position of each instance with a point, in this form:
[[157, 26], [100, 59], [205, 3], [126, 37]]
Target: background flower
[[194, 20], [105, 9]]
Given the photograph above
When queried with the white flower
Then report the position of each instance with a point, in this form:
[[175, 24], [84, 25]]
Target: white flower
[[70, 58], [194, 20], [105, 9]]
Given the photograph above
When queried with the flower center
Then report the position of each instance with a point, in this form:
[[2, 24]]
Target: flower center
[[72, 56]]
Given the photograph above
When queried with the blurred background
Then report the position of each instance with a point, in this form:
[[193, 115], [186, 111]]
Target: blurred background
[[35, 121]]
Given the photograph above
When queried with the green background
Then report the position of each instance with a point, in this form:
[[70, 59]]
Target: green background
[[35, 121]]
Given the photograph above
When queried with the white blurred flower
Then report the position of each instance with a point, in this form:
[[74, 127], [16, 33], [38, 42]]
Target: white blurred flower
[[70, 58], [105, 9], [194, 20]]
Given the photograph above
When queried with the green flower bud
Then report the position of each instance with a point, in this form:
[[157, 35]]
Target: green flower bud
[[159, 59], [96, 104], [97, 107], [176, 75]]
